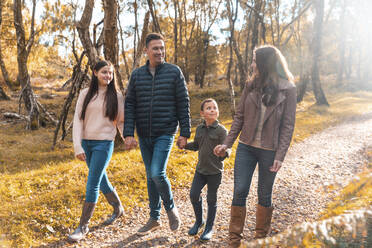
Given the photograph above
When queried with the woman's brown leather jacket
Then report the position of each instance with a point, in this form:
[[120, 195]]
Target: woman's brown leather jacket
[[278, 122]]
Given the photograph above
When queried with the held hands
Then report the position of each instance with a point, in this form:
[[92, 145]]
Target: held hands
[[276, 166], [130, 143], [220, 150], [81, 156], [181, 142]]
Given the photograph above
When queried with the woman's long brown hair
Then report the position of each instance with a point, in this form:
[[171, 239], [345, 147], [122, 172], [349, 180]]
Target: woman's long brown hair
[[271, 66], [111, 100]]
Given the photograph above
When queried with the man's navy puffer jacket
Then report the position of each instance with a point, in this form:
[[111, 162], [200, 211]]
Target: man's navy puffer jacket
[[156, 105]]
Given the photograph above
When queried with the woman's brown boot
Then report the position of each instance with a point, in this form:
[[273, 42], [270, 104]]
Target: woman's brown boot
[[263, 221], [114, 200], [237, 221], [83, 229]]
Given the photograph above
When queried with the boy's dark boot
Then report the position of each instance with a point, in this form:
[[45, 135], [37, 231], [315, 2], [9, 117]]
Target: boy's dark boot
[[237, 221], [208, 230], [198, 210], [263, 221], [114, 200], [83, 229]]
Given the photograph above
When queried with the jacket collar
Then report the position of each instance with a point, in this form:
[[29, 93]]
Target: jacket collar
[[214, 125], [156, 68]]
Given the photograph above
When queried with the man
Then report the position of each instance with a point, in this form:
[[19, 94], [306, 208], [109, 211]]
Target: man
[[157, 101]]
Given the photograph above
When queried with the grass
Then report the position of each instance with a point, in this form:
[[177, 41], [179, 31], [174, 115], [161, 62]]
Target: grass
[[42, 190]]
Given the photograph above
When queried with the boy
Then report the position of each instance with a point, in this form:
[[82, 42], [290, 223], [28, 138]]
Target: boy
[[209, 169]]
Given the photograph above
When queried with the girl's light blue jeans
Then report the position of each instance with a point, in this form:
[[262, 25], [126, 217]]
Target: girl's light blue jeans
[[98, 154]]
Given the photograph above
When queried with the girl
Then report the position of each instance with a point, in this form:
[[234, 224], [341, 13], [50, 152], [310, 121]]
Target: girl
[[265, 121], [99, 111]]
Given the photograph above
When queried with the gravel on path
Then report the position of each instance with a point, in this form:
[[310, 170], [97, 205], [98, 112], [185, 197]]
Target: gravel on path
[[301, 191]]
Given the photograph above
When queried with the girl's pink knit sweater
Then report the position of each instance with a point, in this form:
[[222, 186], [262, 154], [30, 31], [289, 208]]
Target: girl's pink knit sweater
[[96, 126]]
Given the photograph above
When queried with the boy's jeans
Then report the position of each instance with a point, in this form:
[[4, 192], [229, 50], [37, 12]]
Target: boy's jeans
[[155, 153]]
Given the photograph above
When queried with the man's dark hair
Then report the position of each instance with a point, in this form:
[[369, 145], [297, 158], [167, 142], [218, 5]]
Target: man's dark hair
[[153, 36]]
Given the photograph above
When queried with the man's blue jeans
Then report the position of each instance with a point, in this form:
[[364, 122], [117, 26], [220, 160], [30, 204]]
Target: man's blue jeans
[[155, 153], [98, 154], [246, 160]]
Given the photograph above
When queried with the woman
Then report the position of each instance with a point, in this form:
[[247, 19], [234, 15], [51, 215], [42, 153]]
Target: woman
[[99, 111], [265, 121]]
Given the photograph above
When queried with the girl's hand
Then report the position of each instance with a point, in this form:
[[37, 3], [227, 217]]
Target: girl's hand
[[81, 156], [220, 150], [276, 166]]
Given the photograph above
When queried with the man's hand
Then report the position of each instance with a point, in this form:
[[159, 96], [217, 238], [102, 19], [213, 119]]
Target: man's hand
[[181, 142], [81, 156], [220, 150], [130, 143], [276, 166]]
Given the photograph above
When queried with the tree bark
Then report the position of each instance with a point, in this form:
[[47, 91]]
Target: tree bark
[[316, 52], [83, 29], [3, 95], [2, 64], [142, 41], [155, 21], [342, 45], [110, 31], [23, 51]]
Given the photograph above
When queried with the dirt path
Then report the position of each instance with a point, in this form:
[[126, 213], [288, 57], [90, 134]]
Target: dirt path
[[301, 191]]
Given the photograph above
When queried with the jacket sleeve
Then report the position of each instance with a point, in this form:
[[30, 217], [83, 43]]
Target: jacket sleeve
[[222, 137], [193, 146], [130, 107], [183, 105], [120, 116], [238, 121], [287, 124], [78, 124]]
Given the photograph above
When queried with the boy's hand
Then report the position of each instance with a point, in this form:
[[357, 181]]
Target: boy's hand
[[220, 150], [181, 142]]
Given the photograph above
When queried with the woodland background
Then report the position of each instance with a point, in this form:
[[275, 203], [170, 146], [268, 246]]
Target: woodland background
[[47, 49]]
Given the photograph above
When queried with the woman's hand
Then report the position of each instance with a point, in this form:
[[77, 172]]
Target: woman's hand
[[81, 156], [276, 166], [220, 150]]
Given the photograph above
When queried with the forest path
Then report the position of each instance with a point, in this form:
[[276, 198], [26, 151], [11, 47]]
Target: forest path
[[301, 192]]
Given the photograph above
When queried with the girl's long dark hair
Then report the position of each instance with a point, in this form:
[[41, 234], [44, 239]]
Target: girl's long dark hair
[[271, 66], [111, 100]]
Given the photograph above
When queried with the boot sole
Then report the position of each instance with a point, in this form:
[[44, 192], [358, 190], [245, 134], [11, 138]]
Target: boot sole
[[144, 233]]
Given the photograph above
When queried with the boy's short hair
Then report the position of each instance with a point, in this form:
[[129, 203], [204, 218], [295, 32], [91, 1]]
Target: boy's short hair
[[205, 101], [153, 36]]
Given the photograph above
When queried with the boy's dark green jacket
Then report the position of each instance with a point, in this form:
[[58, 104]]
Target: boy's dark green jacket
[[156, 105], [206, 139]]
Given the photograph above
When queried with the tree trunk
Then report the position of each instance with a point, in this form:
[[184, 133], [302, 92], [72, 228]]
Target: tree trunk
[[3, 95], [2, 64], [110, 30], [83, 29], [316, 52], [302, 86], [153, 15], [342, 39], [175, 32], [142, 42], [23, 50], [232, 19], [78, 78]]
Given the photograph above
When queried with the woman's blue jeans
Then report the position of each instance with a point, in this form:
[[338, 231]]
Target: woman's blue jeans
[[246, 160], [98, 154], [155, 153]]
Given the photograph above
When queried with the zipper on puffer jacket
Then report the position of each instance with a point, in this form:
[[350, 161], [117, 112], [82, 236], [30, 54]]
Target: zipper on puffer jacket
[[152, 99]]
